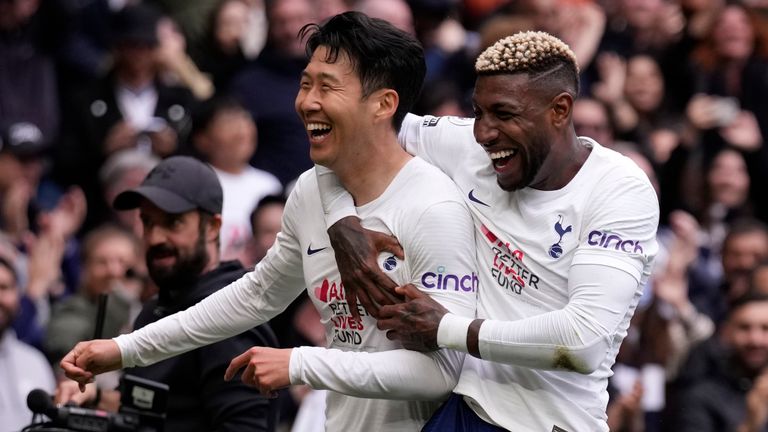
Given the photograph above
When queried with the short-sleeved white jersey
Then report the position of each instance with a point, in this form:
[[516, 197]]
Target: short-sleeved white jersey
[[527, 243], [421, 206]]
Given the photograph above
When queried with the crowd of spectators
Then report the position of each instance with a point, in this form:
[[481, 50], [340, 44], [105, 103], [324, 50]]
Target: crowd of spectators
[[94, 93]]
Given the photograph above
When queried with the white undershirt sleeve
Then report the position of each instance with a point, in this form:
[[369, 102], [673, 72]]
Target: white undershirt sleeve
[[398, 374], [576, 337]]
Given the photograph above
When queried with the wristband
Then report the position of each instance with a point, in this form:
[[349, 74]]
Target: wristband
[[452, 332]]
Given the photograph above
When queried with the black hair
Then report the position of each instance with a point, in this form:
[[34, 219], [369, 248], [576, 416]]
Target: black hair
[[741, 301], [744, 226], [206, 112], [264, 202], [381, 55]]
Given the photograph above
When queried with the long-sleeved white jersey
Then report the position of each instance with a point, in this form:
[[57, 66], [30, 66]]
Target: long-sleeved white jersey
[[423, 208], [560, 275]]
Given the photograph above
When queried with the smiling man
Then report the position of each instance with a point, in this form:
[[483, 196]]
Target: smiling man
[[180, 204], [565, 239], [362, 79]]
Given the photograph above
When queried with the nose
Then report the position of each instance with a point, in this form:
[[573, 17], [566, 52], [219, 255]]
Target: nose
[[485, 132], [116, 268], [153, 235], [307, 101]]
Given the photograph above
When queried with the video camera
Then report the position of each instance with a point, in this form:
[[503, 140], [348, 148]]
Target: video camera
[[142, 409]]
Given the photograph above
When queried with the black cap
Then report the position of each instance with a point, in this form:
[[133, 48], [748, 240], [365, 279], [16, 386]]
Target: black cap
[[177, 185], [136, 24]]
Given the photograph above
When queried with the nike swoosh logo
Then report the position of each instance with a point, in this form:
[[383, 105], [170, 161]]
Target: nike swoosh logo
[[474, 199], [311, 251]]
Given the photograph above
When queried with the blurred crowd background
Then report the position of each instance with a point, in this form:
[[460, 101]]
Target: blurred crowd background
[[93, 93]]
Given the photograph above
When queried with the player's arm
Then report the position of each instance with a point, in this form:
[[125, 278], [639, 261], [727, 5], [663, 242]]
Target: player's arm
[[398, 374], [251, 300]]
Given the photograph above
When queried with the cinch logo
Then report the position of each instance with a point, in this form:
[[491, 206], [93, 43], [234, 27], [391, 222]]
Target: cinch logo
[[607, 240], [448, 281]]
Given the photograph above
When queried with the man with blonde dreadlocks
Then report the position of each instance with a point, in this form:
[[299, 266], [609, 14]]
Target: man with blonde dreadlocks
[[565, 239]]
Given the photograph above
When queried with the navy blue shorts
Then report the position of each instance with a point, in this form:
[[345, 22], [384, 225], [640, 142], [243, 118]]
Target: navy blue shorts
[[455, 415]]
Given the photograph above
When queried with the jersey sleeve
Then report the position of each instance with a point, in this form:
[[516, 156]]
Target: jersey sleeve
[[441, 141], [249, 301], [440, 253], [620, 226], [576, 338], [397, 374]]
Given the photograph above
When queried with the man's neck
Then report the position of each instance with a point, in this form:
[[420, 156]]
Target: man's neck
[[367, 173]]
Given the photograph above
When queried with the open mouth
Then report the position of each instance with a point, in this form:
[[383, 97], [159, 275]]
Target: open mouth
[[318, 131], [502, 158]]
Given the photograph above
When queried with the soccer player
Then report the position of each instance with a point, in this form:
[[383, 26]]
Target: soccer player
[[564, 244], [362, 78]]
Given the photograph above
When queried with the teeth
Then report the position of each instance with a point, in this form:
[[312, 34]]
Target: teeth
[[502, 154], [318, 126]]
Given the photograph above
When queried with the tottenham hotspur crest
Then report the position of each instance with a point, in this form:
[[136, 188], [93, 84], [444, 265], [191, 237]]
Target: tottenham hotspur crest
[[556, 250]]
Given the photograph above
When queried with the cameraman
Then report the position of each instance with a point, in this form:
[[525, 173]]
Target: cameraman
[[180, 204]]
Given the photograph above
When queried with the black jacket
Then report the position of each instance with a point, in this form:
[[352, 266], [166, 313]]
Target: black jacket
[[200, 399]]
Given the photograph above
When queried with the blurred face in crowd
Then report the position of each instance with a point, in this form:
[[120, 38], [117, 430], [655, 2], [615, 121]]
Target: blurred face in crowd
[[9, 298], [728, 179], [286, 18], [590, 119], [397, 12], [136, 58], [733, 35], [641, 14], [14, 13], [644, 88], [231, 23], [175, 244], [266, 224], [746, 332], [760, 279], [229, 141], [741, 254], [107, 264]]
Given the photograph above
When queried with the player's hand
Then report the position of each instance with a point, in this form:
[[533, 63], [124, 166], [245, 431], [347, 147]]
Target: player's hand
[[88, 359], [357, 250], [265, 369], [68, 391], [415, 322]]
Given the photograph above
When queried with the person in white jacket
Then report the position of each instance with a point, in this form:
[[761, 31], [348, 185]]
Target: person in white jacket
[[362, 78]]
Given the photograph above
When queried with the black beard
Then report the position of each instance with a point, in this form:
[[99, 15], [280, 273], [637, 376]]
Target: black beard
[[187, 270], [534, 160]]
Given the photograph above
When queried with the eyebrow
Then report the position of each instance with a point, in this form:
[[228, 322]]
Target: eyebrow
[[325, 76]]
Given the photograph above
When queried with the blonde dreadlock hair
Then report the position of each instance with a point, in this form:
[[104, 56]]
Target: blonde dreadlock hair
[[534, 52]]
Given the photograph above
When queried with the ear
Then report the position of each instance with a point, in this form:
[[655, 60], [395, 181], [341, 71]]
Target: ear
[[385, 102], [213, 228], [562, 105]]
